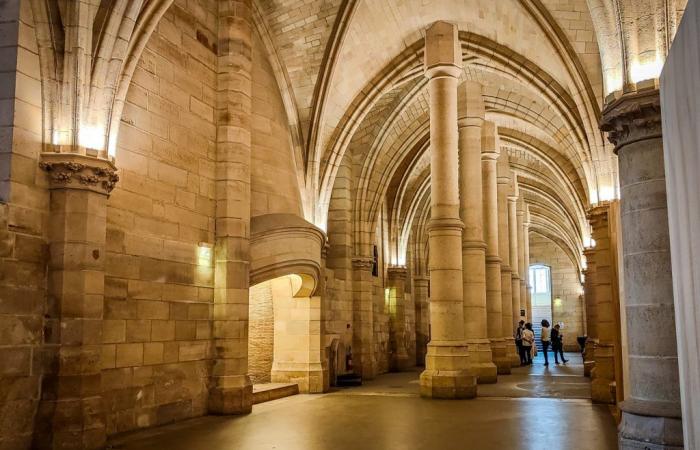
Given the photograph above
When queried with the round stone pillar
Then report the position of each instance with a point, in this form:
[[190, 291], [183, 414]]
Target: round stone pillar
[[364, 359], [420, 296], [396, 282], [514, 238], [494, 294], [523, 221], [447, 373], [651, 413], [508, 295], [471, 118], [71, 413]]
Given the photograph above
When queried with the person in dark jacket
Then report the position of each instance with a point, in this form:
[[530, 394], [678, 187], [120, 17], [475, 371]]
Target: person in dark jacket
[[519, 341], [558, 344]]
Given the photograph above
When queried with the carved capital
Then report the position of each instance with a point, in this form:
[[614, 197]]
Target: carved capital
[[633, 117], [75, 171], [362, 263], [397, 272]]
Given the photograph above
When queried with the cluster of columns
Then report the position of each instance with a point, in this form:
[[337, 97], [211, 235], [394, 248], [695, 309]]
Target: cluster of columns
[[477, 291]]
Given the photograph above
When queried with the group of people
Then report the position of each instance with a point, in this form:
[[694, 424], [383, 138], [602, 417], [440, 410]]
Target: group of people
[[525, 341]]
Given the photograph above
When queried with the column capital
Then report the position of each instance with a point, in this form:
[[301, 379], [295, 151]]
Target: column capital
[[598, 212], [397, 272], [362, 263], [76, 171], [470, 105], [421, 280], [443, 53], [633, 117]]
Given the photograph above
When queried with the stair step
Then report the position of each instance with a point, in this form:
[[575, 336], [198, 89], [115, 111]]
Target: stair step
[[265, 392]]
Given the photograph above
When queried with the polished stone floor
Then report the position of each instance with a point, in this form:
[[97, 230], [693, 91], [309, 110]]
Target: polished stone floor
[[532, 409]]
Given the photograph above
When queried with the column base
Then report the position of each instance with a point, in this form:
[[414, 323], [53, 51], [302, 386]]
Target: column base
[[311, 378], [602, 390], [73, 423], [447, 373], [481, 361], [639, 431], [402, 362], [231, 395], [588, 367], [512, 353], [500, 358]]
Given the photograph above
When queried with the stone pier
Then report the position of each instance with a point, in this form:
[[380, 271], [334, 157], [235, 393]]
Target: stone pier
[[651, 412], [471, 120], [447, 373]]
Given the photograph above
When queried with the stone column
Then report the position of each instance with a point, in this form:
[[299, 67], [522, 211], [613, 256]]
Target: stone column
[[71, 412], [526, 262], [504, 238], [494, 295], [514, 238], [523, 257], [603, 374], [420, 296], [651, 413], [363, 359], [591, 314], [471, 118], [231, 391], [446, 372], [396, 283]]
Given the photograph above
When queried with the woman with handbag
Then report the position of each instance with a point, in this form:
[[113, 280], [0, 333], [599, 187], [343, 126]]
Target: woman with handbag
[[526, 348]]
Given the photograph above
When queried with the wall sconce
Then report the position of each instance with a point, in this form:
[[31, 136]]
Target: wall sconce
[[558, 302]]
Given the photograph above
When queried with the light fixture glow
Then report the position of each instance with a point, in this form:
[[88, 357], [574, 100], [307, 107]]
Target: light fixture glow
[[91, 137], [646, 70], [204, 254]]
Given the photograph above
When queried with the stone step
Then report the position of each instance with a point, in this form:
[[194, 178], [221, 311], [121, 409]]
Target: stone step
[[265, 392]]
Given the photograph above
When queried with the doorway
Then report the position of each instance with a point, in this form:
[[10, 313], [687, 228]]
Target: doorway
[[541, 277]]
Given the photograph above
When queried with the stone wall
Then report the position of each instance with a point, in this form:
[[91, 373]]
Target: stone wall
[[159, 281], [260, 332], [566, 286], [23, 212]]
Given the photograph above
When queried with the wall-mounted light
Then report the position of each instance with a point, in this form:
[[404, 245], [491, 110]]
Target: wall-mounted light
[[205, 253], [646, 70], [558, 302]]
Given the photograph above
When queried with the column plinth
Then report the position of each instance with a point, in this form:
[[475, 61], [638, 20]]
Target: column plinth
[[447, 373], [651, 413], [71, 412]]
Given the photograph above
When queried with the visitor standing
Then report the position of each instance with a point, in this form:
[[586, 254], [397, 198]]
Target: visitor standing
[[519, 340], [528, 341], [558, 344], [545, 338]]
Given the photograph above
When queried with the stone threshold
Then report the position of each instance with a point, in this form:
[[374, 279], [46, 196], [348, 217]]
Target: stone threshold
[[265, 392]]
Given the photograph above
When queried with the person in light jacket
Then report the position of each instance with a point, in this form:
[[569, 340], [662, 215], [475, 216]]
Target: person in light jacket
[[545, 339], [528, 340]]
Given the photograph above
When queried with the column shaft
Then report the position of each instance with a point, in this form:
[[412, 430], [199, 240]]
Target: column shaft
[[420, 296], [471, 113], [603, 374], [515, 237], [71, 412], [446, 372], [494, 297], [505, 248], [651, 415], [231, 391], [396, 283], [363, 359], [591, 313]]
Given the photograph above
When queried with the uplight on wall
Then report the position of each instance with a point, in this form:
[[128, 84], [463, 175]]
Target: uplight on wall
[[558, 302], [205, 254], [91, 137], [646, 70]]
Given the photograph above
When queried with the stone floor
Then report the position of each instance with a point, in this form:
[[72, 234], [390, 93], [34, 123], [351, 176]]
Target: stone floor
[[532, 409]]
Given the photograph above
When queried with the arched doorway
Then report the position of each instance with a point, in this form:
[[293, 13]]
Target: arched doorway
[[541, 282]]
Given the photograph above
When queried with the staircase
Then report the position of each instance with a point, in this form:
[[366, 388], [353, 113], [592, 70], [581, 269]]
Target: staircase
[[537, 329]]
